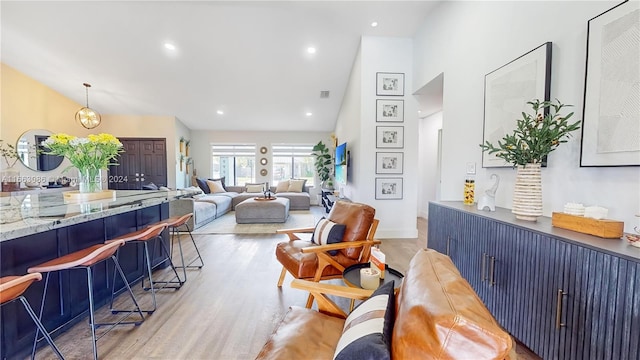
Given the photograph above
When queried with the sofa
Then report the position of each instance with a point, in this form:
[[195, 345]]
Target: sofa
[[208, 206], [435, 314]]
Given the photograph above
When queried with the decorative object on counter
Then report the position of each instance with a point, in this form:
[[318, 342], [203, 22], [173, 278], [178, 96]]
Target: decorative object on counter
[[323, 163], [89, 155], [634, 239], [596, 212], [608, 229], [469, 190], [10, 175], [574, 209], [536, 136], [187, 144], [86, 116], [488, 199]]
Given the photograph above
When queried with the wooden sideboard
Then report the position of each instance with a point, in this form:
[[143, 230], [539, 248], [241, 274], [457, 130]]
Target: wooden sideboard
[[563, 294]]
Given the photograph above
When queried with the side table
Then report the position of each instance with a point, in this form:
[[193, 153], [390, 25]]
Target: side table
[[351, 277]]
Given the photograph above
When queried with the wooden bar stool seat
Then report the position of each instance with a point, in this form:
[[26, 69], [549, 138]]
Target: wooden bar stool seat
[[85, 259], [174, 223], [12, 288], [144, 235]]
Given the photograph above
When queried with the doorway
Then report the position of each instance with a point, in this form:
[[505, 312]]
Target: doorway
[[143, 162]]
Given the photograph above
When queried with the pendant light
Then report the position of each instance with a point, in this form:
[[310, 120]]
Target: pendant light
[[86, 116]]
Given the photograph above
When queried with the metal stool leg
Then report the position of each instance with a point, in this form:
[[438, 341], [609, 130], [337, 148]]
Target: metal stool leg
[[196, 247], [174, 235], [126, 283], [44, 294], [165, 250], [40, 327], [153, 291], [91, 314]]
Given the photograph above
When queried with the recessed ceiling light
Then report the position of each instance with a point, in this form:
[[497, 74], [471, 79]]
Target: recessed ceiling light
[[220, 112], [169, 46], [311, 50], [374, 24], [309, 114]]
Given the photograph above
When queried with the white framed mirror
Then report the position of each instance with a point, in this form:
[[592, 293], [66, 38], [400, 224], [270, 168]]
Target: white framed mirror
[[28, 145]]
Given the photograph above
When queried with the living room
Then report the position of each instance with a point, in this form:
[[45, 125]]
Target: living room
[[444, 62]]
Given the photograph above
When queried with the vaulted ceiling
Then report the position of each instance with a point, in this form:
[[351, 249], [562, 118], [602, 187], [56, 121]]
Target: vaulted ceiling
[[248, 60]]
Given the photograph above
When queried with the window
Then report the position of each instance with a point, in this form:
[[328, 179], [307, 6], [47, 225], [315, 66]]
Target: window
[[293, 161], [235, 162]]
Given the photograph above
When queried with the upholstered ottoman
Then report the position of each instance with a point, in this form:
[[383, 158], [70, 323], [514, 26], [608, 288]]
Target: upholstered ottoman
[[252, 211]]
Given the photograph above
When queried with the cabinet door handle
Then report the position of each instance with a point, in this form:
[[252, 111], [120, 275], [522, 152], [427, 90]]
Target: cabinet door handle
[[559, 322], [492, 279], [448, 244], [483, 265]]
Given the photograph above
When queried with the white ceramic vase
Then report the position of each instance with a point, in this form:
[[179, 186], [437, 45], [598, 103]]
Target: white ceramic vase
[[527, 194]]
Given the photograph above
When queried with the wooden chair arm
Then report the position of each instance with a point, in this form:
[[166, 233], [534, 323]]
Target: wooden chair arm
[[321, 290], [298, 230], [340, 245]]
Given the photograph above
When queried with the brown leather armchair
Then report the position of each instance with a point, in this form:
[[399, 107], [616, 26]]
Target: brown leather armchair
[[306, 260]]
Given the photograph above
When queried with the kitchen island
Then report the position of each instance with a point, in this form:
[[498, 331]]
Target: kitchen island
[[35, 228]]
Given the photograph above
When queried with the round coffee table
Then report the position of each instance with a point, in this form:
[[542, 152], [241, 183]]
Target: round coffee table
[[351, 277]]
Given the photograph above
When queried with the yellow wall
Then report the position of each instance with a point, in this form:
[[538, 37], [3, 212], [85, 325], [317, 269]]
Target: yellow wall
[[27, 104]]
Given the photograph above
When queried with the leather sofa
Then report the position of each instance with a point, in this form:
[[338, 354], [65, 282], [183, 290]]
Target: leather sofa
[[437, 316]]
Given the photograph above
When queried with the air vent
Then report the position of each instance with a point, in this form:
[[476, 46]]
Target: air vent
[[324, 94]]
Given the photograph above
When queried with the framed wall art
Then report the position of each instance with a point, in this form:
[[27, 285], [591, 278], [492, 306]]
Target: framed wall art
[[506, 93], [391, 137], [390, 84], [611, 125], [389, 110], [389, 162], [388, 188]]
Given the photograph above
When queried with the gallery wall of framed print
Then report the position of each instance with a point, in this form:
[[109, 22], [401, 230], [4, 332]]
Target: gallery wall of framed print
[[389, 162], [506, 93], [389, 110], [611, 114], [390, 137], [389, 84], [388, 188]]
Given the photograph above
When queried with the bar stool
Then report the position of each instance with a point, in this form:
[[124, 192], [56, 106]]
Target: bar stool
[[143, 236], [12, 288], [86, 259], [174, 223]]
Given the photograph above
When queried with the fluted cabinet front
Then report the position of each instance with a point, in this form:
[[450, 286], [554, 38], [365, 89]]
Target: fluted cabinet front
[[561, 296]]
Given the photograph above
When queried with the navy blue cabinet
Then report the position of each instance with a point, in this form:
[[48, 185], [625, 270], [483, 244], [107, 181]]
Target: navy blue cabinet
[[563, 294]]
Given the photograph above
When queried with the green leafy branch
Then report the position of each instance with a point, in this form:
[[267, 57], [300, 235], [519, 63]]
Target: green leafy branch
[[536, 135]]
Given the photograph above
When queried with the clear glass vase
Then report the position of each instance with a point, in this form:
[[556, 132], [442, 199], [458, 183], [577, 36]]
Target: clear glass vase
[[89, 180]]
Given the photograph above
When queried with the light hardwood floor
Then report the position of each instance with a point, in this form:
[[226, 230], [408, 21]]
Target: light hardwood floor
[[226, 310]]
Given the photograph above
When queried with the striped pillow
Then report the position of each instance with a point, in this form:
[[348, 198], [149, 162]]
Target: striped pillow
[[368, 329], [328, 232]]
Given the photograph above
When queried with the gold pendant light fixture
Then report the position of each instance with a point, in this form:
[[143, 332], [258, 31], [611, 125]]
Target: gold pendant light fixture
[[86, 116]]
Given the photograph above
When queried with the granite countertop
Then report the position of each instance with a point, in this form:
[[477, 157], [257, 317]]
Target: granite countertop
[[26, 214]]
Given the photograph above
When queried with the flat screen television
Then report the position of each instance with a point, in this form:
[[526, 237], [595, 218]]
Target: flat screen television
[[341, 164]]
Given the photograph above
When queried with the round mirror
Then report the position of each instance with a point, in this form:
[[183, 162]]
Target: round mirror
[[263, 161], [31, 152], [263, 150], [263, 172]]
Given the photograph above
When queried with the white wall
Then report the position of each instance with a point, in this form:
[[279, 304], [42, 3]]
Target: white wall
[[465, 41], [201, 147], [378, 54], [428, 161]]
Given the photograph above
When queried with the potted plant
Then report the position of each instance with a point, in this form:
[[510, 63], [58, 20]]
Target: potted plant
[[323, 163], [536, 136]]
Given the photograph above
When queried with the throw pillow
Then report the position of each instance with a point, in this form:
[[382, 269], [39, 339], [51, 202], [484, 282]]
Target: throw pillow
[[328, 232], [221, 179], [255, 188], [203, 185], [296, 185], [283, 186], [216, 186], [368, 329]]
